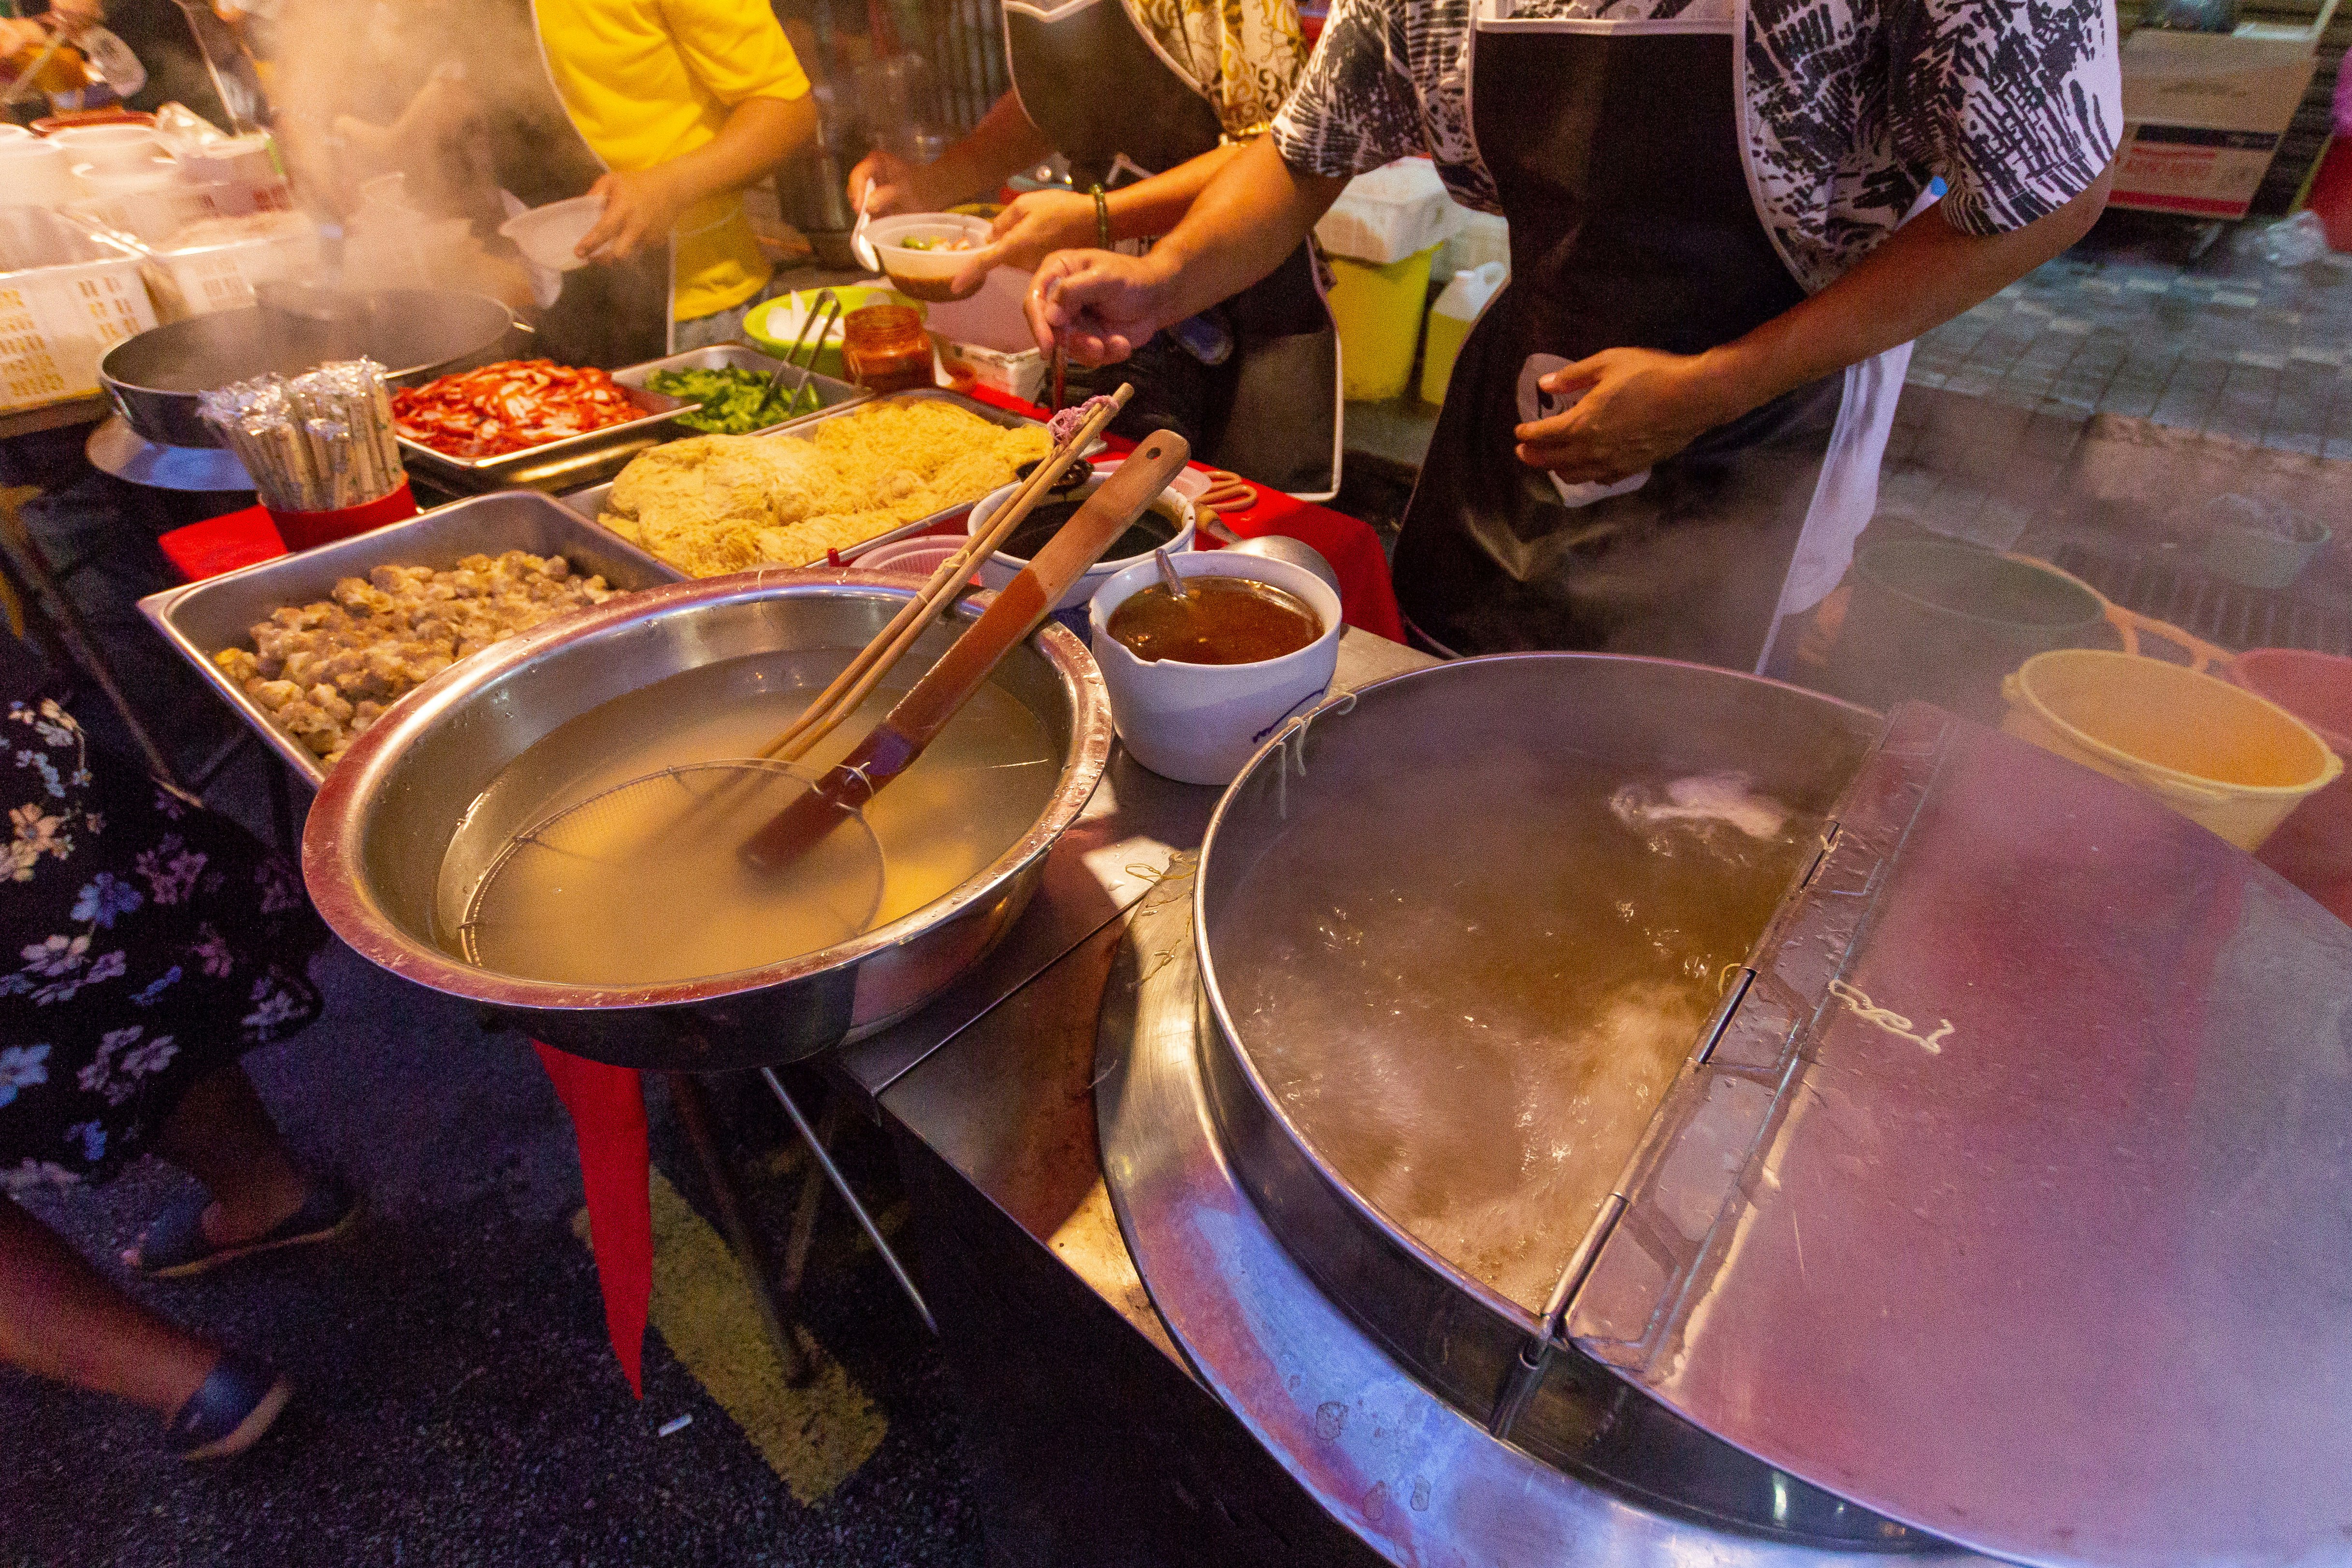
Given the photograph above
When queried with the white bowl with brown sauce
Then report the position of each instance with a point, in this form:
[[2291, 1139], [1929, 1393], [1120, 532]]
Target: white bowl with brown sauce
[[1199, 722], [1166, 524]]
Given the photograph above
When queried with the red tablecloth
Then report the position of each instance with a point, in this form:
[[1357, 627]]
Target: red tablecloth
[[223, 544]]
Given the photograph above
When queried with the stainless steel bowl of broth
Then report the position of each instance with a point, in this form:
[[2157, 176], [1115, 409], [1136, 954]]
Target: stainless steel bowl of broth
[[675, 678]]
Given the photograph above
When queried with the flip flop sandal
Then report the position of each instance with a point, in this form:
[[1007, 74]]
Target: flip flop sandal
[[230, 1411], [176, 1247]]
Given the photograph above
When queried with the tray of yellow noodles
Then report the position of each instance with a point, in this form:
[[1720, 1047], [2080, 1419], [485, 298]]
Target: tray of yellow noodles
[[843, 481]]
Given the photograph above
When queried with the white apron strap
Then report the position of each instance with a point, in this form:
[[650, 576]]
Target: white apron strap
[[1846, 494]]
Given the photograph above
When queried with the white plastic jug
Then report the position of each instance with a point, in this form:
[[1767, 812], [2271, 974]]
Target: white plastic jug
[[1461, 304]]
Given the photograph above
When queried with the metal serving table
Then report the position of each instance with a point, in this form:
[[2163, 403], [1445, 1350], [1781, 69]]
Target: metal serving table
[[1107, 1444], [1155, 1377], [1105, 1447]]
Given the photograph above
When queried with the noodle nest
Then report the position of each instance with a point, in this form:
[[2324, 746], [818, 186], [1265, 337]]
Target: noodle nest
[[717, 504]]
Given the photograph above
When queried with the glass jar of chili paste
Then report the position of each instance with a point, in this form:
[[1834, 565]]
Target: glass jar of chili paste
[[885, 348]]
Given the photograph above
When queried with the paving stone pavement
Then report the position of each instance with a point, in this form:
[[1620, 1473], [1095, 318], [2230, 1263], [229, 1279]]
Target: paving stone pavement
[[2135, 322]]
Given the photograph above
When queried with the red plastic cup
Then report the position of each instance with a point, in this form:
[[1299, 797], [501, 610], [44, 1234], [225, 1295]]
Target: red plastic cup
[[305, 531]]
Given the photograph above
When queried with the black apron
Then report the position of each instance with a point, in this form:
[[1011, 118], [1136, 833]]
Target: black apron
[[1616, 156], [1088, 77]]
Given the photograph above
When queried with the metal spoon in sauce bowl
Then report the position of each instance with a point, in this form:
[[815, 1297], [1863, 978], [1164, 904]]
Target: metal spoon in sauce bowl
[[1168, 575], [861, 246]]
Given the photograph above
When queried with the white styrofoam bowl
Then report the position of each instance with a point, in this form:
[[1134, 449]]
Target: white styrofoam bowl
[[36, 172], [926, 274], [111, 149], [999, 568], [1199, 724], [549, 235]]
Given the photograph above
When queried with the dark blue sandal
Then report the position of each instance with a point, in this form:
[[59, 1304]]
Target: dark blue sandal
[[175, 1246], [228, 1415]]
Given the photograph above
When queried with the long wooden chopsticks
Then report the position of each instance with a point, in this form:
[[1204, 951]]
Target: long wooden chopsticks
[[855, 684]]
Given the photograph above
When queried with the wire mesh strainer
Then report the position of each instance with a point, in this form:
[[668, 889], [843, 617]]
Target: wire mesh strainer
[[641, 884]]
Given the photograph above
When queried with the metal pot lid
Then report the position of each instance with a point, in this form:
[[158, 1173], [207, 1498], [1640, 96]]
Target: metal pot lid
[[115, 448], [2010, 1201]]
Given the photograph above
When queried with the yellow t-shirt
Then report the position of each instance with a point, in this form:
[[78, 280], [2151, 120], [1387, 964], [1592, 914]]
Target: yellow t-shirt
[[646, 81]]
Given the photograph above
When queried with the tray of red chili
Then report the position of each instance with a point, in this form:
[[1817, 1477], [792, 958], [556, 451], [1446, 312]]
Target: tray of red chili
[[528, 422]]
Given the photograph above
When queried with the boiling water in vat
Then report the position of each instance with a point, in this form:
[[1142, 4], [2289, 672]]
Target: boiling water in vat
[[693, 909], [1469, 987]]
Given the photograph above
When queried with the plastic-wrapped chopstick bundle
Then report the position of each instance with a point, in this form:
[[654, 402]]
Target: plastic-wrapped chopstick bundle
[[319, 442]]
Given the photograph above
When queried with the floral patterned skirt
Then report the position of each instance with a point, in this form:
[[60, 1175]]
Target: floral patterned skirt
[[144, 942]]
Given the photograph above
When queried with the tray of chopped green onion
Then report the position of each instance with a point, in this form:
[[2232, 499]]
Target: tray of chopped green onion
[[731, 383]]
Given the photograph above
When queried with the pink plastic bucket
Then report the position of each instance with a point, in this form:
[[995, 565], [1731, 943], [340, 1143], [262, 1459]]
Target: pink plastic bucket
[[2313, 847]]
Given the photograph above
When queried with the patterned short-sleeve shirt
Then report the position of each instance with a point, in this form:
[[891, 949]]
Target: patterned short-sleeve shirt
[[1242, 56], [1852, 107]]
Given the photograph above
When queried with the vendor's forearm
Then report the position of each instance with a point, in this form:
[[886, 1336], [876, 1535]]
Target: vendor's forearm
[[1001, 145], [759, 133], [1924, 274], [1252, 215], [1149, 208]]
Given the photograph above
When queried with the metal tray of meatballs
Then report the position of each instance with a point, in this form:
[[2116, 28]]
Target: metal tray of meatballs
[[310, 648]]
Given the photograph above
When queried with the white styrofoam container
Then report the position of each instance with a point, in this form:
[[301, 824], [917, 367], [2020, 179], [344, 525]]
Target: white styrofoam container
[[56, 321], [989, 336], [1398, 210], [1022, 374]]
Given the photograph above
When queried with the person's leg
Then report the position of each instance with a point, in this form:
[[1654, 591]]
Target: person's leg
[[60, 1317], [220, 1133]]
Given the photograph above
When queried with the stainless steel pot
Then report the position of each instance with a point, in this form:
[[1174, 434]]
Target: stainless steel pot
[[153, 379], [372, 849]]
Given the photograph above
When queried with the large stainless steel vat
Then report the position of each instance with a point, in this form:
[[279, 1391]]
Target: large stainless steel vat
[[372, 849], [2001, 1200]]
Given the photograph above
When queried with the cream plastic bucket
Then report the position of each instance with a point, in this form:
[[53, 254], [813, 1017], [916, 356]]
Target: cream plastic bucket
[[2225, 758]]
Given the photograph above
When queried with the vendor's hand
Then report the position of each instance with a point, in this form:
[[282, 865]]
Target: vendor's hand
[[1639, 407], [75, 17], [641, 206], [898, 186], [1025, 232], [1101, 306]]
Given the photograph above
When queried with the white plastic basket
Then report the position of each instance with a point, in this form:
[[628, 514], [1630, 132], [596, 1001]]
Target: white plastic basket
[[200, 280], [152, 218], [58, 318]]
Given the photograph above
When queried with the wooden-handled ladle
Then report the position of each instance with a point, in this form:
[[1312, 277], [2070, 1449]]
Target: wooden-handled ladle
[[1019, 605]]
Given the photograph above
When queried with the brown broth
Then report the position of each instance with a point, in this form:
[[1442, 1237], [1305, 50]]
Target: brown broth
[[1219, 621]]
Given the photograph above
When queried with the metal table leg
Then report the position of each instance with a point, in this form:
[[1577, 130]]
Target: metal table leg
[[804, 1211], [833, 1174], [692, 1102]]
